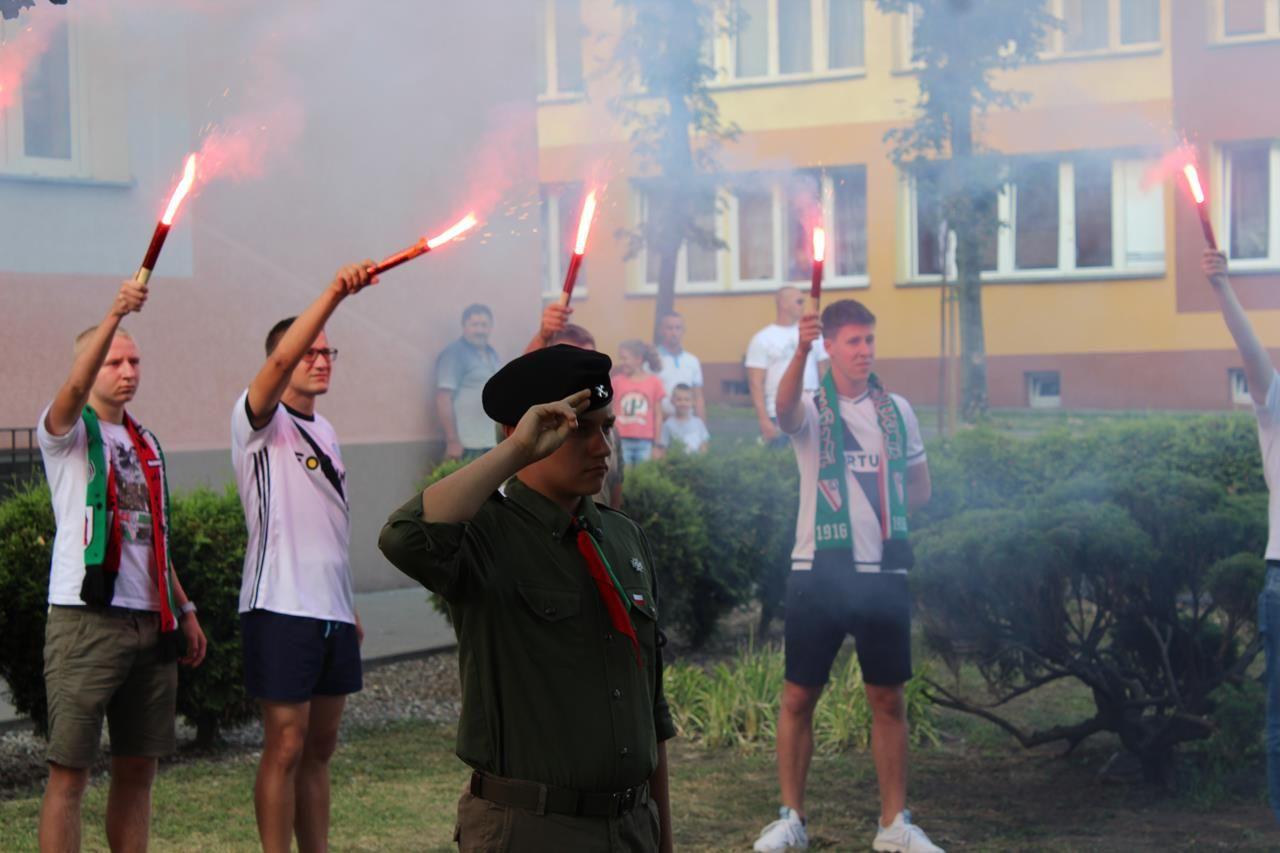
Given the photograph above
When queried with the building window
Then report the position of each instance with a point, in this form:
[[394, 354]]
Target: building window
[[559, 28], [1239, 387], [696, 265], [780, 38], [1083, 215], [43, 118], [1092, 26], [1252, 183], [1044, 389], [561, 207], [1244, 20]]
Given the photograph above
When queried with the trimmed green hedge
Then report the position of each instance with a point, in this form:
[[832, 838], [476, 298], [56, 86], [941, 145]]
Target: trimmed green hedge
[[207, 538]]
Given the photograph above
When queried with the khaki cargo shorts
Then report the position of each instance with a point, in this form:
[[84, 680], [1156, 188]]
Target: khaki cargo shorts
[[107, 662]]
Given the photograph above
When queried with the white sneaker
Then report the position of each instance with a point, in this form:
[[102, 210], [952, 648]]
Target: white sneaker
[[902, 836], [785, 833]]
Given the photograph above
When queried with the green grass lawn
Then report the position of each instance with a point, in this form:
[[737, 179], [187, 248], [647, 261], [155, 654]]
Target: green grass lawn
[[395, 788]]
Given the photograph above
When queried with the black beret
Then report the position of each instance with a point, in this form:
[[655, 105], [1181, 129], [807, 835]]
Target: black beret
[[545, 376]]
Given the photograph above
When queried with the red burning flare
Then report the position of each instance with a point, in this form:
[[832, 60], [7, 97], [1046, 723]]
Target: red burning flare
[[819, 255], [162, 227], [425, 245], [1197, 193], [580, 247]]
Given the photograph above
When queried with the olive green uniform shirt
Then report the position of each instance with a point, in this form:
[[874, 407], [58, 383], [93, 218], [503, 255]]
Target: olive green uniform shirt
[[550, 692]]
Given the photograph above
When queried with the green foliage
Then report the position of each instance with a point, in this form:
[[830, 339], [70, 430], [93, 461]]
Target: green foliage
[[1122, 557], [736, 704], [207, 540], [438, 473], [207, 537], [26, 547]]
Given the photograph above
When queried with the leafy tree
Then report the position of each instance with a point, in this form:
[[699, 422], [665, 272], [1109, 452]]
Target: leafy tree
[[959, 47], [9, 9], [1139, 584], [675, 127]]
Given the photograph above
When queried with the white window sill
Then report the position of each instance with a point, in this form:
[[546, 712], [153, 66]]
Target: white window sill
[[553, 98], [1237, 41], [1252, 266], [1048, 277], [1118, 52], [63, 180], [749, 288], [769, 81], [579, 294]]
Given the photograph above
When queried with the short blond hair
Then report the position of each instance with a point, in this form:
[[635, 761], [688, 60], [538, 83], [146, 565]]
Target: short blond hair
[[121, 332]]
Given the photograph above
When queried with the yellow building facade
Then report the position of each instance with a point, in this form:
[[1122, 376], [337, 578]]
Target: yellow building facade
[[1093, 296]]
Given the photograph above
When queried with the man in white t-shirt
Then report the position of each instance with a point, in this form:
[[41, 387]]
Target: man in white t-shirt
[[301, 634], [1264, 388], [679, 366], [115, 604], [768, 355], [862, 470]]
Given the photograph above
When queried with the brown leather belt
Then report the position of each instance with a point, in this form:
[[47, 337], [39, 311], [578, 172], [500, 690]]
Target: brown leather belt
[[541, 799]]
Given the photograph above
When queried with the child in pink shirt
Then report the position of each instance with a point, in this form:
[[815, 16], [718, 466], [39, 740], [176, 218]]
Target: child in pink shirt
[[637, 400]]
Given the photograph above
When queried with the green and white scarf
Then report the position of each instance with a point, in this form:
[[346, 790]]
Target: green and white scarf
[[832, 531]]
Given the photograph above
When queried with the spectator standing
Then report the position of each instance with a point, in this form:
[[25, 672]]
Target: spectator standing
[[769, 354], [679, 366], [461, 371], [683, 427], [639, 396]]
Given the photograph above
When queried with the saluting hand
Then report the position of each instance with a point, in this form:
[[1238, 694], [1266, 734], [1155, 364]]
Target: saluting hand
[[545, 427]]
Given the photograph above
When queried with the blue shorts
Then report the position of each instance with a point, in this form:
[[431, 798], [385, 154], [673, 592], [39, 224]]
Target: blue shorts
[[292, 658]]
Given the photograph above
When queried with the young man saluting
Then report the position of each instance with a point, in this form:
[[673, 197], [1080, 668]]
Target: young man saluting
[[554, 603], [862, 468], [301, 634], [115, 604]]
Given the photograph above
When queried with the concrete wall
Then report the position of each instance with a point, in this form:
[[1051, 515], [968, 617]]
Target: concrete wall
[[380, 477]]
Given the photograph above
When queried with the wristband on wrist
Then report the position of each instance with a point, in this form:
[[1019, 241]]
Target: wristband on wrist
[[187, 607]]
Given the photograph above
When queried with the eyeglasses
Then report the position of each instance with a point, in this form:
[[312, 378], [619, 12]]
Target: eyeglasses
[[315, 352]]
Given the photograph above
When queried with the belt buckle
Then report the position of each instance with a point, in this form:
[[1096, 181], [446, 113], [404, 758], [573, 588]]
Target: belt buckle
[[624, 801]]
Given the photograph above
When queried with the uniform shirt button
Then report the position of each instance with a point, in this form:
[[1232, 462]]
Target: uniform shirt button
[[617, 694], [548, 611], [623, 751], [608, 637]]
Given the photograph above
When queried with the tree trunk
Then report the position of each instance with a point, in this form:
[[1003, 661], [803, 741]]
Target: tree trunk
[[973, 347], [207, 731], [676, 159]]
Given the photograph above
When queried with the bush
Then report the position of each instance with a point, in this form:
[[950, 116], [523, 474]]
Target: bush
[[26, 547], [207, 538], [736, 704], [1122, 558]]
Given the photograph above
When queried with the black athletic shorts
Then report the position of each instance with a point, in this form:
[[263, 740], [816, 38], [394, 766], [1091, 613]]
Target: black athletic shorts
[[824, 605], [292, 658]]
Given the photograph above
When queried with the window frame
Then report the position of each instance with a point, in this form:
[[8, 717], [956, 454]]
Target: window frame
[[1057, 42], [1042, 401], [1238, 387], [725, 50], [14, 160], [640, 206], [553, 272], [1218, 27], [1006, 237], [554, 93], [1223, 155]]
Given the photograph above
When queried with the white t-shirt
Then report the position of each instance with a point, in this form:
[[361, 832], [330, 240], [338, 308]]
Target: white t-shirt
[[296, 560], [66, 465], [1268, 415], [771, 349], [691, 432], [862, 464], [682, 369]]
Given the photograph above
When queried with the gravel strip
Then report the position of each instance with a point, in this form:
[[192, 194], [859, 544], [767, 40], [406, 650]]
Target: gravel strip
[[423, 689]]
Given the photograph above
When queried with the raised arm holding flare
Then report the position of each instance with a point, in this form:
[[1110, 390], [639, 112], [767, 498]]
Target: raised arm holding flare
[[1264, 388], [554, 600], [115, 604], [301, 633]]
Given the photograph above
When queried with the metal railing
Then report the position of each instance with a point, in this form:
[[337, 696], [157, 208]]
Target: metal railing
[[19, 456]]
